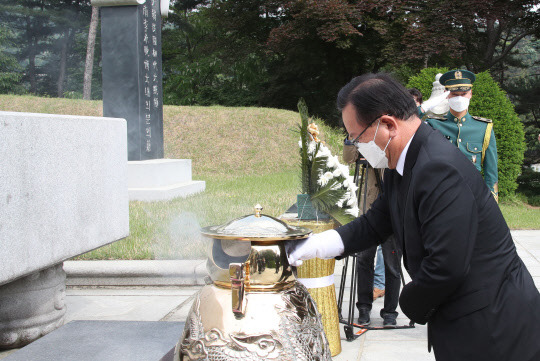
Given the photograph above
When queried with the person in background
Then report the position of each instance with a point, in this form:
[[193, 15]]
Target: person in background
[[384, 279], [417, 96], [473, 136]]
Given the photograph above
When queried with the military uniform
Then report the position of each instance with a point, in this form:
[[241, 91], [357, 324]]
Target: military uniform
[[472, 135], [475, 138]]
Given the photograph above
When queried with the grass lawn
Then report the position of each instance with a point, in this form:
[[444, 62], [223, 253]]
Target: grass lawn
[[245, 155], [519, 215], [170, 230]]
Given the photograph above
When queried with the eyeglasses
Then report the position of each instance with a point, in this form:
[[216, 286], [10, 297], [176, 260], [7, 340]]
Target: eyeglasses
[[355, 141]]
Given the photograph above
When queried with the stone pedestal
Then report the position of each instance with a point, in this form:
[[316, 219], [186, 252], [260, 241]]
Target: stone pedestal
[[161, 180], [63, 192], [32, 306]]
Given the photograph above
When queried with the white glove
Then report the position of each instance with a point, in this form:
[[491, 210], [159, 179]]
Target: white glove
[[325, 245], [433, 102]]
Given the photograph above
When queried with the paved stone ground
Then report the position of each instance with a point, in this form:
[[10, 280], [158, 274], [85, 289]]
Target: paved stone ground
[[173, 303]]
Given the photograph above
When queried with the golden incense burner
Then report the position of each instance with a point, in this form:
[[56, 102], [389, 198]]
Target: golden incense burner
[[254, 309]]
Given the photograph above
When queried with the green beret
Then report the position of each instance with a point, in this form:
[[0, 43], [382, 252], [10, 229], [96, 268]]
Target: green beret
[[457, 80]]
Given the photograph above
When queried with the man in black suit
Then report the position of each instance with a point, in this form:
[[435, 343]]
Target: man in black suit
[[468, 283]]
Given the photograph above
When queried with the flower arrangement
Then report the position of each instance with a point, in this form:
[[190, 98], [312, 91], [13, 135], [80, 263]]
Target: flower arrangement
[[326, 183]]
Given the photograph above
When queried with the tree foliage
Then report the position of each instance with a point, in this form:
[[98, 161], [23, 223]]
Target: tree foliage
[[10, 70], [272, 52], [490, 101], [207, 58], [523, 83], [526, 92], [45, 33], [478, 34]]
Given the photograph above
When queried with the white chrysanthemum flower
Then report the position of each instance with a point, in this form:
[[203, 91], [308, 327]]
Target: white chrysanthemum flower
[[353, 211], [344, 170], [352, 187], [351, 201], [346, 183], [339, 204], [322, 181], [331, 162], [325, 178], [337, 172], [300, 143], [324, 152], [337, 163], [311, 147]]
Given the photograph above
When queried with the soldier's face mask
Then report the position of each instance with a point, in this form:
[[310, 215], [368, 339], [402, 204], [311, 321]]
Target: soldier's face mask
[[458, 104], [371, 151]]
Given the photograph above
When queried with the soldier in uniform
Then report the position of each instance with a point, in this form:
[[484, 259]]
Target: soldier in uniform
[[472, 135]]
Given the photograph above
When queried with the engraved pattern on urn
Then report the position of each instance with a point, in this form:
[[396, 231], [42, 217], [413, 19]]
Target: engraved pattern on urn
[[300, 336]]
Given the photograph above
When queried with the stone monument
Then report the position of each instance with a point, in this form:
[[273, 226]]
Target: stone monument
[[63, 192], [132, 89]]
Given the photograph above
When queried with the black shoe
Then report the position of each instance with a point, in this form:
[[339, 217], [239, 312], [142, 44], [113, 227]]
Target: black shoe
[[389, 320], [363, 318]]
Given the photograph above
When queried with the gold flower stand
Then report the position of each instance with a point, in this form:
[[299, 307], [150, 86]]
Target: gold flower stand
[[325, 297]]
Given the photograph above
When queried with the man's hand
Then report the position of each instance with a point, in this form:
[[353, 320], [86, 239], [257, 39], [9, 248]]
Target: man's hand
[[432, 103], [325, 245], [417, 303]]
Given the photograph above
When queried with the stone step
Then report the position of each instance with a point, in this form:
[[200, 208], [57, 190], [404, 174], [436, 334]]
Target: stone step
[[104, 341], [168, 192], [157, 173], [135, 273]]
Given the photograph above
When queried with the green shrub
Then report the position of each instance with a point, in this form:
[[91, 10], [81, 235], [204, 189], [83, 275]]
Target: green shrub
[[534, 200], [73, 95], [423, 81], [529, 186], [489, 101]]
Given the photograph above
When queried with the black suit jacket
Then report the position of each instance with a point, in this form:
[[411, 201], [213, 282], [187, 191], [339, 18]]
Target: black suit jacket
[[468, 282]]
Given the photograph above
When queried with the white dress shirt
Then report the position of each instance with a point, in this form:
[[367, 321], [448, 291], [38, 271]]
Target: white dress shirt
[[401, 161]]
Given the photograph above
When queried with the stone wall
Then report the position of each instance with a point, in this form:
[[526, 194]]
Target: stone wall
[[63, 188]]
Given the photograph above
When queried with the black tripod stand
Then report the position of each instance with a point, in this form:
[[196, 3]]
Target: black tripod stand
[[361, 176]]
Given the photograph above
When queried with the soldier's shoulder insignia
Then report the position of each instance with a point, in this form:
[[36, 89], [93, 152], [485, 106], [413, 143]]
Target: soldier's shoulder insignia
[[486, 120], [436, 117]]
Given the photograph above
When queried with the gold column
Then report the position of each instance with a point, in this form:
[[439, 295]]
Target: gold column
[[324, 297]]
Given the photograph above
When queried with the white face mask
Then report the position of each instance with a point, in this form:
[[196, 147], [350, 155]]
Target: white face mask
[[458, 104], [373, 154]]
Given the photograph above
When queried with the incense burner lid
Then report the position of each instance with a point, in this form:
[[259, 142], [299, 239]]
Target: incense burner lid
[[256, 227]]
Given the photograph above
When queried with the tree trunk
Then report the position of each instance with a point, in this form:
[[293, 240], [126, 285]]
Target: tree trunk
[[31, 58], [63, 63], [493, 33], [89, 65], [32, 69]]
